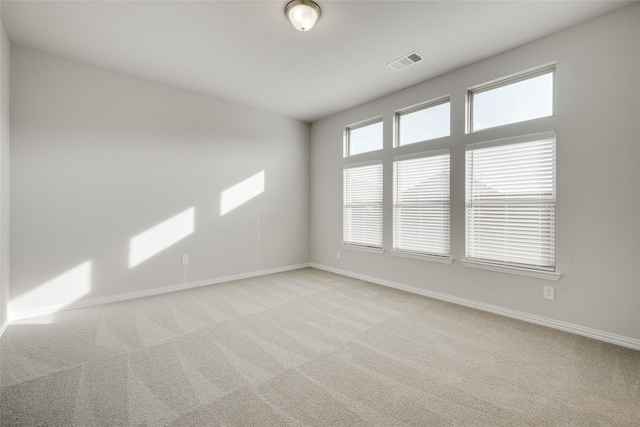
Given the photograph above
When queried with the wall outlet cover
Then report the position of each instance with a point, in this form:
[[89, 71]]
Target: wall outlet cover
[[548, 292]]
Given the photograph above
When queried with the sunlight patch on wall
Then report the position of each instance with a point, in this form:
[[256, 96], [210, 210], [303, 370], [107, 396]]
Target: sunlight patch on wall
[[241, 193], [160, 237], [58, 292]]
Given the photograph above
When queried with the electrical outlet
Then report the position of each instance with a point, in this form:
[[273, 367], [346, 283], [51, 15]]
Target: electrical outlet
[[185, 259], [338, 255], [548, 292]]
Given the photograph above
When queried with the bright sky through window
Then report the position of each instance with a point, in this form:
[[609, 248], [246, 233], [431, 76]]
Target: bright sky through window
[[366, 138], [424, 124], [516, 102]]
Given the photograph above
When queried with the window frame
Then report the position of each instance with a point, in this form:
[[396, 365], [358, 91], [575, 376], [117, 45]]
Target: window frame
[[420, 254], [542, 272], [506, 81], [397, 143], [356, 245], [346, 150]]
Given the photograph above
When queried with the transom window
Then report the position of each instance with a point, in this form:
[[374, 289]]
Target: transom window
[[363, 137], [424, 122], [516, 99]]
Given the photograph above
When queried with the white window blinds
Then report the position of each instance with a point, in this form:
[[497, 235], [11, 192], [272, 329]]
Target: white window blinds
[[511, 202], [421, 203], [362, 214]]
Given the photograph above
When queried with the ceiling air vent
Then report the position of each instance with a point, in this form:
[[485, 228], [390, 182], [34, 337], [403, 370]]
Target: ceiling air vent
[[406, 61]]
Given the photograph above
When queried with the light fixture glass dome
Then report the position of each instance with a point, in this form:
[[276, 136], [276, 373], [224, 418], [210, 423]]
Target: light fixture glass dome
[[303, 14]]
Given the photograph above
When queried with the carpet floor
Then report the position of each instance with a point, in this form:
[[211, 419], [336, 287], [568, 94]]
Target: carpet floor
[[307, 348]]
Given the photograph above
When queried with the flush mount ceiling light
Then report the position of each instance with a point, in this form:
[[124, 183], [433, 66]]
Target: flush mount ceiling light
[[303, 14]]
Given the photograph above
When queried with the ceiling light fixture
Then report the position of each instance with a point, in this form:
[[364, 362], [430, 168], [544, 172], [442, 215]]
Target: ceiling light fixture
[[303, 14]]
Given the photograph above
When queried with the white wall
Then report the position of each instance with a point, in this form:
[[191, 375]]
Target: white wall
[[598, 180], [4, 174], [100, 157]]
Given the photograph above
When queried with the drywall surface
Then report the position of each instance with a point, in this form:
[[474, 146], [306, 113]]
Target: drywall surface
[[4, 174], [598, 195], [114, 178]]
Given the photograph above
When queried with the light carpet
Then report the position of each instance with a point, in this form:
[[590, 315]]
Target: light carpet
[[311, 348]]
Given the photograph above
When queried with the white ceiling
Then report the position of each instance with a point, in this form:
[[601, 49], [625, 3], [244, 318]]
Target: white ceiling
[[247, 51]]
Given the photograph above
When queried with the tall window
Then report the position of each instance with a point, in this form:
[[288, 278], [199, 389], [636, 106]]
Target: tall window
[[424, 122], [362, 207], [511, 202], [516, 99], [421, 203], [363, 137]]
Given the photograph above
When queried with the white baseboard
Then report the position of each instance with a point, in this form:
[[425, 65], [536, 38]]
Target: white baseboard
[[26, 314], [531, 318]]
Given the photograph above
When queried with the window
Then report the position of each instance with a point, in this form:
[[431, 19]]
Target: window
[[362, 214], [363, 137], [525, 97], [421, 203], [422, 123], [511, 202]]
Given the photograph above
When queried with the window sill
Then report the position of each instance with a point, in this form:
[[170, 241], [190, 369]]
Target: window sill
[[547, 275], [368, 249], [423, 257]]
